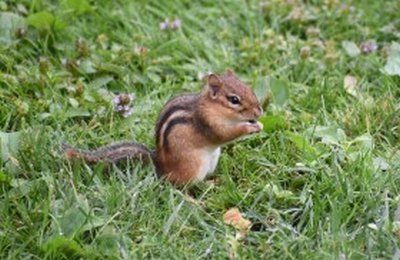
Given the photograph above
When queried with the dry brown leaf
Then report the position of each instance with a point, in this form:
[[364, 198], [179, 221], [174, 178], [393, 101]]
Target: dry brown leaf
[[350, 84], [234, 217]]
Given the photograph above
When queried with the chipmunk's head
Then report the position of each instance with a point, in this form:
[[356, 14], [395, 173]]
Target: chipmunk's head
[[233, 98]]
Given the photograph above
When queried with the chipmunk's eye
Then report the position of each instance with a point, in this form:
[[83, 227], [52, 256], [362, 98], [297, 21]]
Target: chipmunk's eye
[[233, 100]]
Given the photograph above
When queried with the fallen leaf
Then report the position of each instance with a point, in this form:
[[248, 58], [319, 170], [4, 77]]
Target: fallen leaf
[[234, 218], [350, 85]]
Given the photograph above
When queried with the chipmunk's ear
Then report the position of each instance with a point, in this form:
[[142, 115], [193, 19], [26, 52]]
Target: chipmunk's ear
[[229, 72], [215, 84]]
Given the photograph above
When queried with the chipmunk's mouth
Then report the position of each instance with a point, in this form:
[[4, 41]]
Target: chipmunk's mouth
[[254, 124], [250, 122], [245, 121]]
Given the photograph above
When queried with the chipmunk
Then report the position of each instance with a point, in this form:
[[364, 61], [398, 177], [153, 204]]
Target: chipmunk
[[190, 130]]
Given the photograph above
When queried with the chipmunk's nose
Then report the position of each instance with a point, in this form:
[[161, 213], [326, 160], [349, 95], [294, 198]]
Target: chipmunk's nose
[[258, 111]]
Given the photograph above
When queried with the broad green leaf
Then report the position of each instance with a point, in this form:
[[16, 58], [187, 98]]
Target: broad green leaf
[[110, 244], [105, 94], [98, 95], [392, 66], [107, 244], [109, 67], [94, 222], [73, 102], [270, 86], [9, 23], [308, 151], [273, 123], [22, 187], [359, 146], [261, 90], [45, 115], [9, 144], [390, 29], [63, 246], [279, 90], [280, 193], [351, 48], [87, 67], [363, 142], [45, 21], [78, 6], [100, 82], [72, 221], [41, 20], [380, 163], [328, 134], [154, 77], [77, 112], [3, 177]]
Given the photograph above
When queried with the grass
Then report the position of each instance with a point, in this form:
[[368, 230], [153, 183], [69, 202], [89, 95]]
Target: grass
[[321, 182]]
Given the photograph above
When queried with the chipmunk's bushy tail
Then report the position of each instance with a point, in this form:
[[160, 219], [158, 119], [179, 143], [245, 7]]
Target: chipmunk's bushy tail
[[111, 153]]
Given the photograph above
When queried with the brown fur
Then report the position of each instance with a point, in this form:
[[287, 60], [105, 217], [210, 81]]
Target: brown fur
[[188, 127]]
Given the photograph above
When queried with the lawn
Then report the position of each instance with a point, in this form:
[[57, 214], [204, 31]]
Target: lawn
[[322, 180]]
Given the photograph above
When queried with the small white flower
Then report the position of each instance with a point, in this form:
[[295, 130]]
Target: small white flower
[[164, 25], [127, 113], [176, 24], [117, 100], [131, 97]]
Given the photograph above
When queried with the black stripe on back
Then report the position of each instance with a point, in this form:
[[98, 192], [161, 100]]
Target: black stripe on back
[[171, 124], [164, 118]]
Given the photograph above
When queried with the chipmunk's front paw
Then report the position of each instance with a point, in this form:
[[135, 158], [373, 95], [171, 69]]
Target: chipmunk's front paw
[[254, 126]]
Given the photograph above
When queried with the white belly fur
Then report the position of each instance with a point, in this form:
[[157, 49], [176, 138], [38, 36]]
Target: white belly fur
[[210, 156]]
